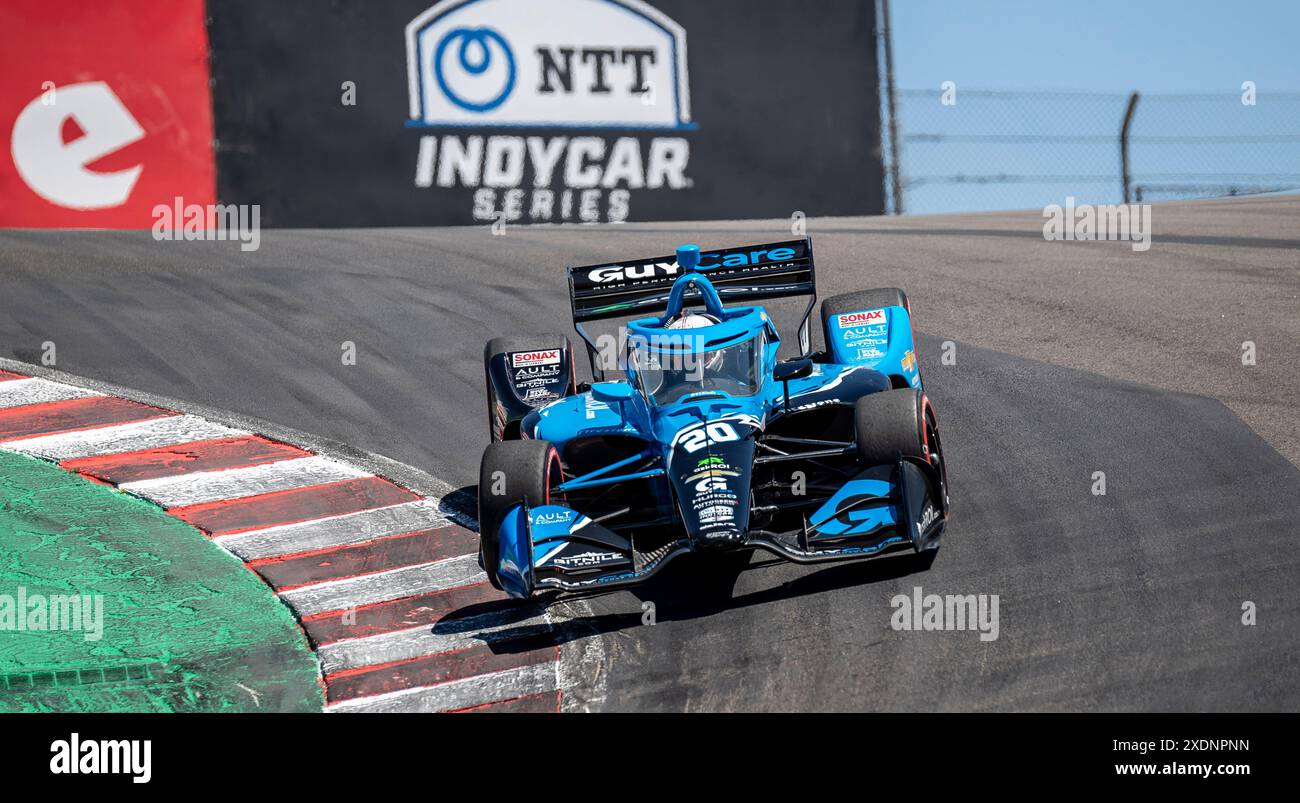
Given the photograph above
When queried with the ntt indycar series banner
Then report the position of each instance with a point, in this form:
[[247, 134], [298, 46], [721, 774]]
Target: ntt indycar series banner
[[536, 111]]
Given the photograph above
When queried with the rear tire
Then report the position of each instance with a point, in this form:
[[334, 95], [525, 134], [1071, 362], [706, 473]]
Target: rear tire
[[890, 422], [865, 300], [506, 345], [511, 472], [857, 302]]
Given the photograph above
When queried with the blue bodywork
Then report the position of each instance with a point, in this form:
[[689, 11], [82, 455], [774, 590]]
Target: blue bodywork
[[694, 459]]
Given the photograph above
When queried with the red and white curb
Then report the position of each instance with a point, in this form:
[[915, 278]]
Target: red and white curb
[[386, 587]]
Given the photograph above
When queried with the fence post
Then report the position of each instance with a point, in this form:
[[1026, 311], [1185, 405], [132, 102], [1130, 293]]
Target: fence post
[[896, 182], [1125, 178]]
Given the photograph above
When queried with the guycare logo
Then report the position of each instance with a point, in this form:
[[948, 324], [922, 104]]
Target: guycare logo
[[581, 63]]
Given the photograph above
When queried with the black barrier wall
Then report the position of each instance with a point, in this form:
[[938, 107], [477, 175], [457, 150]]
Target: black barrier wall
[[473, 111]]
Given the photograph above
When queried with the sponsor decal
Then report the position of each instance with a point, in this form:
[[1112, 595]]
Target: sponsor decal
[[909, 361], [717, 514], [544, 381], [548, 517], [57, 172], [713, 481], [623, 273], [870, 354], [819, 403], [863, 341], [580, 63], [536, 373], [587, 559], [525, 358], [928, 517], [714, 503], [864, 318], [104, 115], [586, 65], [630, 272], [593, 407], [877, 335]]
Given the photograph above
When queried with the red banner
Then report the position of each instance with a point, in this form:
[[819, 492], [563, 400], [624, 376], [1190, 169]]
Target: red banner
[[106, 111]]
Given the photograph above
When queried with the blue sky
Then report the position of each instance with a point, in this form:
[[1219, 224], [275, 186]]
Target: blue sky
[[1149, 45], [1033, 140]]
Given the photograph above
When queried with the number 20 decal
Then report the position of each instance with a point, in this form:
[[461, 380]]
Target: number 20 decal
[[718, 432]]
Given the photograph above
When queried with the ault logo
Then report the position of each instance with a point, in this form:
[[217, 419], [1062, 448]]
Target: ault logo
[[579, 63]]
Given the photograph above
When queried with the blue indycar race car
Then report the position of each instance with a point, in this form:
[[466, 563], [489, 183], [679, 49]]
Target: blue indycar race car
[[710, 443]]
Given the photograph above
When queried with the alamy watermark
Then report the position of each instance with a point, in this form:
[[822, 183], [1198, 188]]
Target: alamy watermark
[[23, 612], [920, 611], [1122, 222], [77, 756], [182, 221]]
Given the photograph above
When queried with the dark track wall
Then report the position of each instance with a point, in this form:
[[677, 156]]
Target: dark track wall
[[744, 108]]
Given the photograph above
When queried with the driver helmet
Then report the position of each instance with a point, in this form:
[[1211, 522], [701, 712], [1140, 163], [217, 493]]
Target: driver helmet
[[691, 320], [694, 320]]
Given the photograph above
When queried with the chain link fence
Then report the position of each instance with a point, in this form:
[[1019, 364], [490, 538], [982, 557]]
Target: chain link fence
[[968, 150]]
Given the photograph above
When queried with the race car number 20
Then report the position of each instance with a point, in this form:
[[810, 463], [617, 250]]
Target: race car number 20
[[717, 432]]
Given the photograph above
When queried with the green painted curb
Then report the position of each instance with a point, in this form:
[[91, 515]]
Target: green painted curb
[[185, 625]]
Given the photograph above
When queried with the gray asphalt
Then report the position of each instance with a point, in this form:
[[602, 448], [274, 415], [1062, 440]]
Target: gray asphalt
[[1071, 358]]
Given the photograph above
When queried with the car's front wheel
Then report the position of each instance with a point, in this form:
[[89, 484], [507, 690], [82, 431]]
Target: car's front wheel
[[511, 472], [890, 422]]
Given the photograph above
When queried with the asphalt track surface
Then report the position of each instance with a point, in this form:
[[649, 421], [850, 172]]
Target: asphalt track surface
[[1071, 358]]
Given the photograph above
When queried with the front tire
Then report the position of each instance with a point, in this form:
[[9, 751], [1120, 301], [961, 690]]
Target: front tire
[[511, 472], [890, 422]]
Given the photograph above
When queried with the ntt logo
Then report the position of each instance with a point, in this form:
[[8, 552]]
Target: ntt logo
[[562, 63], [470, 57]]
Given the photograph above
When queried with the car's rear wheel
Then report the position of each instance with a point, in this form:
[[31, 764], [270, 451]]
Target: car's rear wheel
[[510, 397], [860, 301], [511, 472]]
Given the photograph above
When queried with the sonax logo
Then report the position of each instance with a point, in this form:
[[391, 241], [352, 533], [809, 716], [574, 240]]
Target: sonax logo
[[581, 63], [525, 358], [874, 316]]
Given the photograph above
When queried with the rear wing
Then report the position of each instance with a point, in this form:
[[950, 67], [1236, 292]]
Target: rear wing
[[637, 287], [641, 286]]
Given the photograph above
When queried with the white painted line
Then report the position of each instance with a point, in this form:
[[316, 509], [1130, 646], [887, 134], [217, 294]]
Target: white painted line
[[20, 392], [345, 530], [445, 636], [152, 434], [234, 483], [366, 589], [457, 694]]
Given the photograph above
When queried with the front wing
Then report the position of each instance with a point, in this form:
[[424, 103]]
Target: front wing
[[881, 510]]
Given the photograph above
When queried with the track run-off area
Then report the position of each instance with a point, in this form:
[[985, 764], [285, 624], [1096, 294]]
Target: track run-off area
[[1069, 359], [371, 571]]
